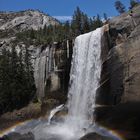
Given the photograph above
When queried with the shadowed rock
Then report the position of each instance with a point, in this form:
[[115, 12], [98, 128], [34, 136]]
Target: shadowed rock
[[17, 136], [120, 77], [94, 136]]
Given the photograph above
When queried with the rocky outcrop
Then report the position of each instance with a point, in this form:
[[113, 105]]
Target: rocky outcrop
[[25, 20], [122, 119], [120, 77], [52, 68], [94, 136], [18, 136], [9, 119]]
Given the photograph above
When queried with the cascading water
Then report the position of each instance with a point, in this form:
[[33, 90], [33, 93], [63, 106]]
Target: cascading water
[[85, 76]]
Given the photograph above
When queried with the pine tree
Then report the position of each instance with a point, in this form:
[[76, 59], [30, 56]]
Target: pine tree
[[17, 86], [32, 34], [120, 7], [76, 22], [44, 30], [97, 22], [133, 3], [86, 23], [67, 30], [29, 75], [105, 17], [5, 81]]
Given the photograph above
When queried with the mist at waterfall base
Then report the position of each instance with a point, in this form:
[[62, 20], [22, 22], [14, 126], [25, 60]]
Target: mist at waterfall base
[[84, 81]]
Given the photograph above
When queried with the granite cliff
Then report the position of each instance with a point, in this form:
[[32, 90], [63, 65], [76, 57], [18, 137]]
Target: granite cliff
[[119, 92], [24, 20], [120, 55]]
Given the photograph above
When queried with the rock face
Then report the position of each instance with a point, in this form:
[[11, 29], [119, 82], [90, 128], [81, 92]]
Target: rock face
[[17, 136], [24, 20], [9, 119], [52, 68], [120, 77], [94, 136], [123, 119]]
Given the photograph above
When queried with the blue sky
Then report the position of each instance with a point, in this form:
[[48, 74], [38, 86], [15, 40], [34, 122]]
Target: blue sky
[[63, 8]]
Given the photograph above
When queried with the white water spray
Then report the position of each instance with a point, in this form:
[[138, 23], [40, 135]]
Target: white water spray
[[84, 80]]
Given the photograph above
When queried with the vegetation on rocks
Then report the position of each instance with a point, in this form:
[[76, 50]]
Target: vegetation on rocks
[[133, 3], [120, 7], [80, 24]]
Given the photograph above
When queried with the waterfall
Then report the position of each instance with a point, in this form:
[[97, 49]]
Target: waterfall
[[84, 79]]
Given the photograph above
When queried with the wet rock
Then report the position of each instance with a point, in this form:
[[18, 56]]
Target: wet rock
[[94, 136], [18, 136], [48, 105], [32, 111], [123, 119]]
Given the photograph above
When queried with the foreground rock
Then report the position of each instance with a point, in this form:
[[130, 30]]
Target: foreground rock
[[10, 119], [17, 136], [94, 136], [30, 136], [122, 119]]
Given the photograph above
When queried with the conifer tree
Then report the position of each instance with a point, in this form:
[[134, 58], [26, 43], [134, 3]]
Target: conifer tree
[[86, 23], [17, 86], [105, 17], [97, 22], [120, 7], [76, 22], [133, 3], [5, 81]]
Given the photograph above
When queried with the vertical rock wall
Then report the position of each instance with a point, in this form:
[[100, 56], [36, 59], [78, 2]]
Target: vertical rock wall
[[120, 78], [52, 67]]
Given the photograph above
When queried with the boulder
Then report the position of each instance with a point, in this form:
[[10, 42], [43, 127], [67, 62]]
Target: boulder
[[94, 136], [18, 136], [122, 119], [10, 119]]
